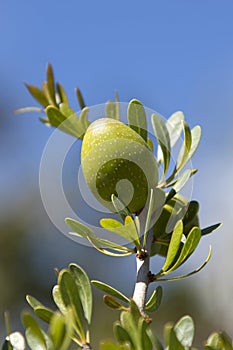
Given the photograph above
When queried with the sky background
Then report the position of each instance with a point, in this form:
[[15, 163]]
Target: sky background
[[172, 55]]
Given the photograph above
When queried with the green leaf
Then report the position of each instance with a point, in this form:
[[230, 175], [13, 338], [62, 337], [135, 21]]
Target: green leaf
[[84, 118], [55, 116], [219, 341], [38, 94], [154, 340], [184, 330], [40, 310], [110, 110], [163, 139], [61, 330], [34, 334], [127, 231], [111, 346], [15, 341], [80, 98], [189, 246], [57, 297], [98, 243], [51, 84], [174, 343], [137, 118], [113, 303], [155, 300], [185, 149], [62, 94], [174, 245], [192, 211], [67, 111], [121, 334], [84, 288], [70, 297], [120, 207], [209, 229], [196, 137], [110, 290]]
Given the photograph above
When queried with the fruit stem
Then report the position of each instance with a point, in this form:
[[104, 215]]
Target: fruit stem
[[142, 276]]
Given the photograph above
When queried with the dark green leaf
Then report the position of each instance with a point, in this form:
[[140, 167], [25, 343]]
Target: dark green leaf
[[155, 300], [62, 94], [110, 290], [38, 94], [84, 288], [137, 118], [121, 334], [113, 303], [80, 98], [192, 211], [163, 139], [209, 229], [184, 330], [173, 246]]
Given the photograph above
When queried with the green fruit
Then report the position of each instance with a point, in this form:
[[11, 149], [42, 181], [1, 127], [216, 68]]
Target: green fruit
[[116, 160]]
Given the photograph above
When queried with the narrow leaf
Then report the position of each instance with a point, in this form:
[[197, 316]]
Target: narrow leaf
[[113, 303], [137, 118], [110, 290], [80, 98], [110, 110], [174, 245], [174, 126], [209, 229], [185, 149], [38, 94], [40, 310], [163, 139], [155, 300], [62, 94], [120, 207], [51, 84]]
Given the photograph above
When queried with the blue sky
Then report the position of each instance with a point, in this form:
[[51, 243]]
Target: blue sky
[[172, 55]]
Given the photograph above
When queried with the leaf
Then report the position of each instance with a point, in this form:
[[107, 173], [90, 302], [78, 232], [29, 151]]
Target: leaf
[[127, 231], [185, 149], [120, 207], [163, 139], [174, 343], [58, 299], [190, 273], [173, 246], [40, 310], [174, 126], [110, 110], [184, 330], [34, 334], [217, 341], [38, 94], [111, 346], [61, 330], [16, 341], [137, 118], [196, 137], [155, 300], [55, 116], [110, 290], [84, 118], [210, 229], [51, 84], [84, 288], [62, 94], [113, 303], [80, 98], [189, 246], [98, 243], [182, 180], [121, 334], [154, 341], [70, 297]]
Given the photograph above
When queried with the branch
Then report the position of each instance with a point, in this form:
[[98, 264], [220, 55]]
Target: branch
[[142, 277]]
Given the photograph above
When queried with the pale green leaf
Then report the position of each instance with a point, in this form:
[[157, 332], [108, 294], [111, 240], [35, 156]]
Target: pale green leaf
[[40, 310], [120, 207], [137, 118], [184, 330], [34, 334], [163, 139], [186, 147], [182, 180]]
